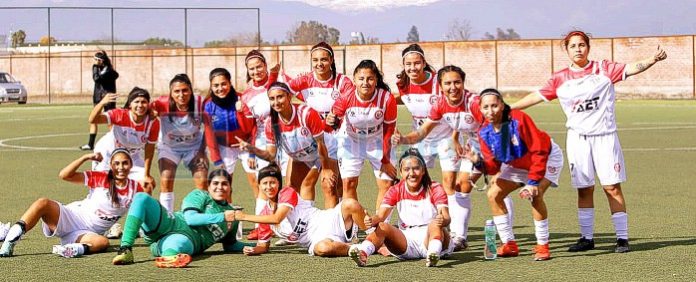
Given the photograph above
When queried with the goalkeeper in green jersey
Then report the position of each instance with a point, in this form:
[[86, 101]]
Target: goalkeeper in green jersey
[[205, 218]]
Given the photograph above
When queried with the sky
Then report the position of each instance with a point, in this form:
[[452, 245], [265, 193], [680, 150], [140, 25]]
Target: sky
[[387, 20]]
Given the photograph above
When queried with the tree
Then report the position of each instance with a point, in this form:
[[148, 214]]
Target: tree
[[413, 35], [239, 39], [44, 40], [18, 38], [459, 30], [508, 34], [156, 41], [312, 32]]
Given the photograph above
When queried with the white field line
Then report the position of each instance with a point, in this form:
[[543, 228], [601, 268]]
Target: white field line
[[43, 118], [3, 141], [47, 108]]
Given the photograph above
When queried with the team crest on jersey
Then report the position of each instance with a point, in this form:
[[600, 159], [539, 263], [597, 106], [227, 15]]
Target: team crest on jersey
[[143, 139], [514, 140], [552, 169], [379, 114], [304, 131], [468, 119], [334, 95], [433, 99], [617, 167]]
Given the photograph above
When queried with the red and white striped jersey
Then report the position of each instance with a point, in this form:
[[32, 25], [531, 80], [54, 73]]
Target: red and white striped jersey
[[587, 95], [298, 217], [419, 99], [320, 95], [97, 207], [298, 134], [415, 209], [178, 130], [464, 117], [129, 134], [365, 119]]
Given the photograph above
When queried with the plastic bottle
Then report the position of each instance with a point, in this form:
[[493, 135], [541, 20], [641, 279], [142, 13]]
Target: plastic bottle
[[489, 249]]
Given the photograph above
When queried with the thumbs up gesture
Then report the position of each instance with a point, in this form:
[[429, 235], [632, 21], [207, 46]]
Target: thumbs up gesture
[[396, 138], [439, 218], [368, 219]]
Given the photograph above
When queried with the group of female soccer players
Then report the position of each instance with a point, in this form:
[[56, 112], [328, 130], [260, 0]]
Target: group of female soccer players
[[325, 139]]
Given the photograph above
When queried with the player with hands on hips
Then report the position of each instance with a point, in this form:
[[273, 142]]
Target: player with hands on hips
[[586, 93], [521, 154], [423, 217], [80, 225]]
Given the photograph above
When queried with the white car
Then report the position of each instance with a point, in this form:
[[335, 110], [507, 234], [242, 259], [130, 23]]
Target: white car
[[11, 90]]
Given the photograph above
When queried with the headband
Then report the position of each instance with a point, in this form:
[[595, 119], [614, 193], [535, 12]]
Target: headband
[[121, 150], [322, 48], [413, 52], [270, 173], [412, 153], [254, 56], [491, 91], [278, 88]]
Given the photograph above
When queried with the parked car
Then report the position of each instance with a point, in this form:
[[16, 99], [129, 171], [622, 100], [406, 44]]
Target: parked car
[[11, 90]]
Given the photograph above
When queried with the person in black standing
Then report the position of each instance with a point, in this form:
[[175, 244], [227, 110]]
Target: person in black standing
[[104, 76]]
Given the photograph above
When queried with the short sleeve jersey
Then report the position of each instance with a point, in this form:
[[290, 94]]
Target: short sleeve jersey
[[419, 99], [365, 119], [97, 205], [210, 234], [298, 217], [464, 117], [415, 209], [587, 95], [256, 105], [129, 134], [179, 130], [298, 135], [318, 94]]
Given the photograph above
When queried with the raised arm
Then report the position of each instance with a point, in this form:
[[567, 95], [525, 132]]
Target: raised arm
[[530, 100], [69, 173], [644, 64], [96, 116]]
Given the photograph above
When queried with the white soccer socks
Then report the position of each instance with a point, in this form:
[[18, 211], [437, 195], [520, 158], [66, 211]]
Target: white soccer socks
[[460, 211], [510, 208], [541, 230], [367, 247], [504, 228], [166, 199], [620, 220], [586, 222]]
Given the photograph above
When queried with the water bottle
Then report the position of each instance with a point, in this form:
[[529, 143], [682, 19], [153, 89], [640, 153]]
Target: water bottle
[[489, 249]]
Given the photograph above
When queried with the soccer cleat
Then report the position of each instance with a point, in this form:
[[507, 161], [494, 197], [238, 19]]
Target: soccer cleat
[[175, 261], [4, 228], [460, 244], [541, 252], [432, 259], [622, 246], [582, 245], [125, 256], [357, 255], [67, 251], [253, 235], [86, 147], [508, 249], [283, 242], [7, 248], [115, 231]]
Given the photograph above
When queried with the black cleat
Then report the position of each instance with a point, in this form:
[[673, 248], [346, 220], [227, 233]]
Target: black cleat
[[582, 245], [622, 246]]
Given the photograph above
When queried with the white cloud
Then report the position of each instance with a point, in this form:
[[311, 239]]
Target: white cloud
[[361, 5]]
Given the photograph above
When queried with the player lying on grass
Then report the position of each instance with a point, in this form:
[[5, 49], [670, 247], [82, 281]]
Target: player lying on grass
[[423, 217], [325, 233], [79, 225], [205, 218], [515, 149]]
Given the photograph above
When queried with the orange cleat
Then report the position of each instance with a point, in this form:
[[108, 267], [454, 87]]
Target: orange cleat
[[541, 252], [253, 235], [175, 261], [509, 249]]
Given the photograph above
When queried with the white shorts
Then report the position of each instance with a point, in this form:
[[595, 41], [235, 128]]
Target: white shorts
[[415, 244], [71, 225], [331, 144], [230, 155], [553, 168], [352, 153], [328, 224], [177, 155], [444, 150], [597, 154]]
